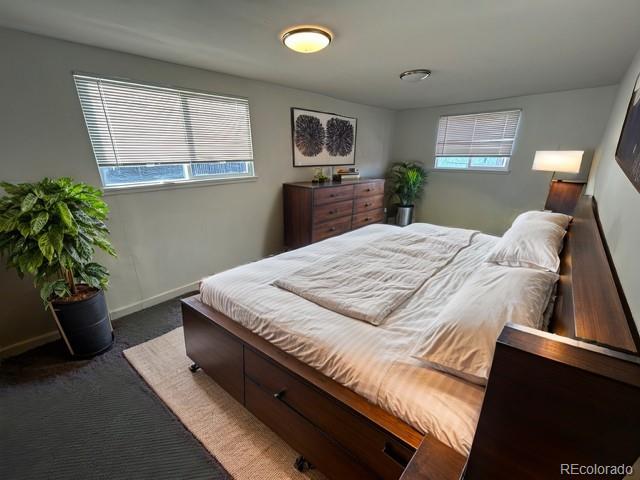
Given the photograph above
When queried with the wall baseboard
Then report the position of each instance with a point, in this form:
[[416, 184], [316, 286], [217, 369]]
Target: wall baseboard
[[151, 301], [33, 342], [24, 345]]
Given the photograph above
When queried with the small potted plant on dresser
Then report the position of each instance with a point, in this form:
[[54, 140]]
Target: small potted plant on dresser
[[406, 182], [48, 230]]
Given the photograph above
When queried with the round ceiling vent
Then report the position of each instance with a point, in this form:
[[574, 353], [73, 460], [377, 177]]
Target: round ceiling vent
[[415, 75]]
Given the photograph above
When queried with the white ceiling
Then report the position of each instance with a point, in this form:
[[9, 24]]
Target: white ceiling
[[478, 50]]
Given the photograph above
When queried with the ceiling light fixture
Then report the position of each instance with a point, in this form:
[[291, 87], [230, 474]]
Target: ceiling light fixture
[[306, 39], [415, 75]]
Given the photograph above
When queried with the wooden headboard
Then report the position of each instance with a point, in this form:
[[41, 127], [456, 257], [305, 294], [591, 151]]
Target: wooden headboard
[[590, 305], [571, 395]]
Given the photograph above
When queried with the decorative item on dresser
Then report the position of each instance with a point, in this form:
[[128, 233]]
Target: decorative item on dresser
[[313, 212]]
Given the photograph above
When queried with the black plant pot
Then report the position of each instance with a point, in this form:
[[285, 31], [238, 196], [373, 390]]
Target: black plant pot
[[85, 325]]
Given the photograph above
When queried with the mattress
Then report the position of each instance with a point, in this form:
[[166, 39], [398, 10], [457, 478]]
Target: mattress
[[373, 361]]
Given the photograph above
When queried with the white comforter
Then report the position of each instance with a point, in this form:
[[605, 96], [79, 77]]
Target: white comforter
[[369, 282], [373, 361]]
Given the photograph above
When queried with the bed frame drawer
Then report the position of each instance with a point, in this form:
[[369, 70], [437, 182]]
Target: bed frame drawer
[[372, 447], [332, 211], [330, 195], [331, 229], [303, 436], [367, 218]]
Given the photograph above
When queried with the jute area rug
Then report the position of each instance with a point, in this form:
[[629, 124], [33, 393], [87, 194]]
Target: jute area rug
[[246, 447]]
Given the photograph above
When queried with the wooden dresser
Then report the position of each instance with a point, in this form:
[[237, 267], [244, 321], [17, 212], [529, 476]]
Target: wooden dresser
[[313, 212]]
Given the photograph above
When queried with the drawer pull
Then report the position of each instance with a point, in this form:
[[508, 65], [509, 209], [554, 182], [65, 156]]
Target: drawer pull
[[367, 219], [368, 190], [331, 212], [367, 204], [332, 229], [389, 451], [332, 195], [280, 394]]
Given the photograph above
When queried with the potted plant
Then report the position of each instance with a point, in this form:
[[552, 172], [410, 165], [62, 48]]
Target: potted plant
[[406, 182], [49, 230]]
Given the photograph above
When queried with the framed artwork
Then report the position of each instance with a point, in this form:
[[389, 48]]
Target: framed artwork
[[628, 151], [321, 139]]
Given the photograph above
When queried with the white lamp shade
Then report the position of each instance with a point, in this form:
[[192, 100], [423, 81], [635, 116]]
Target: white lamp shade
[[567, 161]]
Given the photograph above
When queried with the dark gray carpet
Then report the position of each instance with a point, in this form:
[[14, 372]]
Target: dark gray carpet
[[95, 419]]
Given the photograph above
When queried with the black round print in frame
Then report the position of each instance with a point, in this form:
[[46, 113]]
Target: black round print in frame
[[309, 135], [339, 139]]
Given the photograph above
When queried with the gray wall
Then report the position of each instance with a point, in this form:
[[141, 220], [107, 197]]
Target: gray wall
[[618, 200], [170, 238], [570, 120]]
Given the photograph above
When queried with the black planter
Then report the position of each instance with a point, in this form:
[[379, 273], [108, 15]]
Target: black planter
[[85, 325]]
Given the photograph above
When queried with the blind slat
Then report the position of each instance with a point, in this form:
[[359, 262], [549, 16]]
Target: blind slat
[[135, 124], [477, 135]]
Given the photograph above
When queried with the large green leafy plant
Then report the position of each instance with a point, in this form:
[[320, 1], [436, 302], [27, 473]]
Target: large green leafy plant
[[406, 182], [49, 230]]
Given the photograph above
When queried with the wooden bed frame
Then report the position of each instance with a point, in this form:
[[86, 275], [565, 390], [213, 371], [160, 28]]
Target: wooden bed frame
[[550, 400]]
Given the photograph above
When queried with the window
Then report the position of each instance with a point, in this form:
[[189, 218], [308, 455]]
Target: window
[[481, 141], [147, 134]]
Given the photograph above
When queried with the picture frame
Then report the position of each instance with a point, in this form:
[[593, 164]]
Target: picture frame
[[628, 149], [322, 139]]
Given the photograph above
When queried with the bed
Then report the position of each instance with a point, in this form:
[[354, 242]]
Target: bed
[[346, 394]]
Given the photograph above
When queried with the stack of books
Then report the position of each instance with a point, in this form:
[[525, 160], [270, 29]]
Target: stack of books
[[342, 174]]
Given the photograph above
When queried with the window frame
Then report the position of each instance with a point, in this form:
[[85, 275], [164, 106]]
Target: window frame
[[191, 180], [494, 170]]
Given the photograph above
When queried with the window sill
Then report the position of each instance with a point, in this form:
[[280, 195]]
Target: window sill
[[471, 170], [152, 187]]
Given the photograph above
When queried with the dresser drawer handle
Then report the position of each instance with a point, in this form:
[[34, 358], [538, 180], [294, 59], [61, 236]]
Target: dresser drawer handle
[[367, 204], [367, 219], [368, 190], [332, 195], [332, 229], [280, 394], [389, 451], [331, 212]]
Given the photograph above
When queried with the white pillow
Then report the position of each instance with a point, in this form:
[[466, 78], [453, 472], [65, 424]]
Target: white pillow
[[462, 339], [529, 244], [559, 219]]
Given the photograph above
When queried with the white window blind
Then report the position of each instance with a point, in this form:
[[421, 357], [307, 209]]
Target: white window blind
[[135, 124], [480, 141]]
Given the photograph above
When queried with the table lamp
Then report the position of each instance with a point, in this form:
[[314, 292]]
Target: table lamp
[[565, 161], [562, 196]]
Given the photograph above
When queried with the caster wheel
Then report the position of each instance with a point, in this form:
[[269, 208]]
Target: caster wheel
[[302, 464]]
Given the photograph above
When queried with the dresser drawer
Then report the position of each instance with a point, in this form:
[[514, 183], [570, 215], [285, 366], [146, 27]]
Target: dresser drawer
[[330, 211], [365, 218], [368, 189], [331, 229], [302, 435], [332, 194], [365, 204], [371, 446]]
